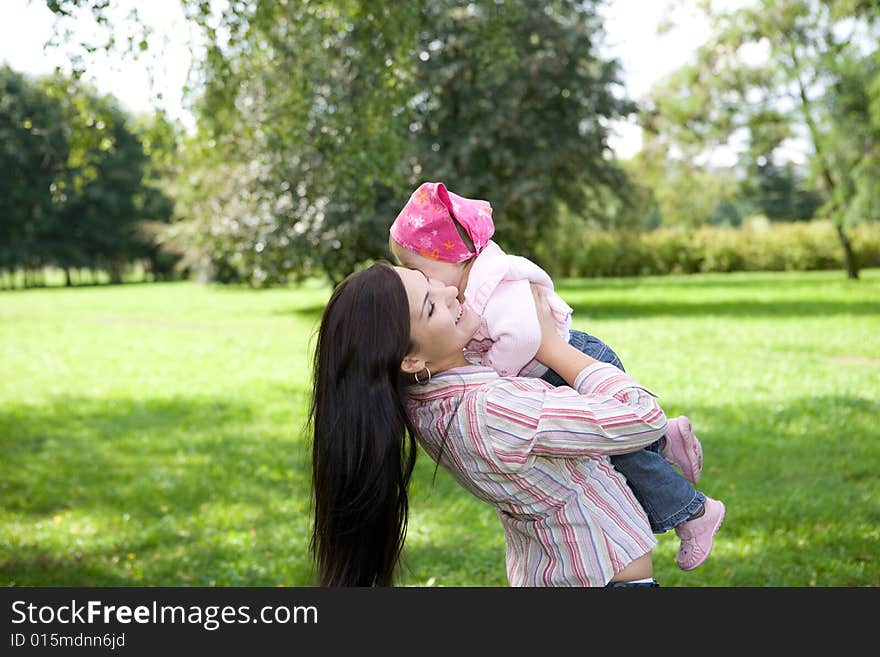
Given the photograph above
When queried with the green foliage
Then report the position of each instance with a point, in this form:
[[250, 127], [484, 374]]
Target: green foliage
[[513, 105], [33, 150], [162, 442], [316, 121], [504, 102], [852, 138], [73, 182], [302, 131], [779, 192], [819, 78], [681, 194], [580, 250]]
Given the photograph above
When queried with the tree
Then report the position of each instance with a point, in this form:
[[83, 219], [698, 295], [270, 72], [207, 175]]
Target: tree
[[310, 100], [852, 138], [778, 192], [513, 104], [98, 214], [33, 149], [812, 47], [72, 174], [685, 194], [321, 117], [154, 205]]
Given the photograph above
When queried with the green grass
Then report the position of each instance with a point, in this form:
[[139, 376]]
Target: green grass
[[152, 434]]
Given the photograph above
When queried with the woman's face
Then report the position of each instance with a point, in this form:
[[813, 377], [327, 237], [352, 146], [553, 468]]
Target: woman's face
[[440, 326]]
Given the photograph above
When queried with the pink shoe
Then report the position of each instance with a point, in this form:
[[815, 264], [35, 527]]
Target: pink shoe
[[698, 535], [682, 449]]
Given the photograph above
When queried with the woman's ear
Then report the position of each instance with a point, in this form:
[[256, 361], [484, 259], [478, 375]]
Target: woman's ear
[[412, 364]]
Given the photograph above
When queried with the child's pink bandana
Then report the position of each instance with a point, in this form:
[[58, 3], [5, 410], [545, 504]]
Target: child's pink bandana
[[425, 226]]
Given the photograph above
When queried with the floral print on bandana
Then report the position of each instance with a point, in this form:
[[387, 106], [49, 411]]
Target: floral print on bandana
[[425, 224]]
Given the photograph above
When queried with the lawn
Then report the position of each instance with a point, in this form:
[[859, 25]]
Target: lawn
[[152, 434]]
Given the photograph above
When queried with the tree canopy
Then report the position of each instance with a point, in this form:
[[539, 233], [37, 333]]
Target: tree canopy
[[316, 120], [72, 191]]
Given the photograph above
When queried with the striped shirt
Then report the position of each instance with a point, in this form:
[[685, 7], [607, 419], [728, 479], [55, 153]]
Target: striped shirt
[[539, 455]]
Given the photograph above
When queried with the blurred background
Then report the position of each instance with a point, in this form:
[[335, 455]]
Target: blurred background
[[264, 142]]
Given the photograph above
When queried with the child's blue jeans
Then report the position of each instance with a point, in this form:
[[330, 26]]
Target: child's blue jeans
[[667, 497]]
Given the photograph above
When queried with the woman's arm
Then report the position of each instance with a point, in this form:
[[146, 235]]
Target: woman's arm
[[607, 412], [525, 418]]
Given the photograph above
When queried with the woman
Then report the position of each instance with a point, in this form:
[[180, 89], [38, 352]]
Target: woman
[[389, 370]]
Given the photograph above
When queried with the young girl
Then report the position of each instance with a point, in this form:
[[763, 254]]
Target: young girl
[[447, 238]]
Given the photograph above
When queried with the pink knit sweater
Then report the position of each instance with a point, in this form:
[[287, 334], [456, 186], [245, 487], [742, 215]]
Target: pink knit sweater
[[499, 290]]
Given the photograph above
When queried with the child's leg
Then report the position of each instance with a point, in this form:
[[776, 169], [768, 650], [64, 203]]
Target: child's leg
[[666, 496]]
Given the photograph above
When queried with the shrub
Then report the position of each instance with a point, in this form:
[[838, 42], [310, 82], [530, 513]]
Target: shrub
[[757, 246]]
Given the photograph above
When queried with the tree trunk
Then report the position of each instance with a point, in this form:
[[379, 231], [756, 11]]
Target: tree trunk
[[67, 281], [116, 268], [849, 260]]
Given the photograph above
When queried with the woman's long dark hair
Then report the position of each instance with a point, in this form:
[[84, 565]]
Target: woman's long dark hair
[[364, 449]]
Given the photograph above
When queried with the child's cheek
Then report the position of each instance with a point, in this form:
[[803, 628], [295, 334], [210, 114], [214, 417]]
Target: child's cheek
[[470, 321]]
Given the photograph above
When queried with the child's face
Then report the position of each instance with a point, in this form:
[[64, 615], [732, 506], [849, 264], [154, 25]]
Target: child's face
[[447, 273]]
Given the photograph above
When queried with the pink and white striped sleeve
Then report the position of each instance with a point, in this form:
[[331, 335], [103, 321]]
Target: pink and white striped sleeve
[[608, 414]]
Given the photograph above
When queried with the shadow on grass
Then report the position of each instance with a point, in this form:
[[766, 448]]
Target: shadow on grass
[[454, 562], [75, 448], [728, 281], [190, 492], [780, 308], [89, 286], [160, 491], [803, 500], [637, 310], [735, 309], [310, 313]]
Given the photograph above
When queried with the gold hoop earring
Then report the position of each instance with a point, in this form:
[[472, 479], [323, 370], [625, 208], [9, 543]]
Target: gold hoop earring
[[416, 376]]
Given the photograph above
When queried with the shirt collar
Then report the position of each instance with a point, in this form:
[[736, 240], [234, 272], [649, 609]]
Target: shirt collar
[[466, 376]]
